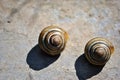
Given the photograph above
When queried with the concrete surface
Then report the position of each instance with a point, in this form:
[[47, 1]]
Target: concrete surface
[[21, 21]]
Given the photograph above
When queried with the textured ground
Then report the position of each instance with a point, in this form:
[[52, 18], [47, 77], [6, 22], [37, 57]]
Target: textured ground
[[21, 21]]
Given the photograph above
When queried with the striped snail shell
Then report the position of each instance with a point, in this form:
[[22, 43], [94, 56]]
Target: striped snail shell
[[52, 40], [98, 51]]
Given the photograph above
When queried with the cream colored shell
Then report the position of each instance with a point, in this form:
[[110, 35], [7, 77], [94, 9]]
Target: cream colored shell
[[98, 50], [45, 40]]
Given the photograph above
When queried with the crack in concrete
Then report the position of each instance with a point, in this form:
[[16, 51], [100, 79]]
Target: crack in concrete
[[16, 10]]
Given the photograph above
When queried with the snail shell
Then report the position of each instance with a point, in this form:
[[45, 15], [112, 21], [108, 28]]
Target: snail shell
[[53, 40], [98, 51]]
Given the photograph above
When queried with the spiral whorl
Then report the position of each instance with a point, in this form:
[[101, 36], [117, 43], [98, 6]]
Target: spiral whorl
[[52, 40], [98, 51]]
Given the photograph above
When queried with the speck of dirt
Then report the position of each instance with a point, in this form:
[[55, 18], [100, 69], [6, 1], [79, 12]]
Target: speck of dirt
[[8, 21], [91, 15]]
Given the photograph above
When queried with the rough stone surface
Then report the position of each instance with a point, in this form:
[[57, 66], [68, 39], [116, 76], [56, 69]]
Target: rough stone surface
[[21, 21]]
